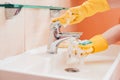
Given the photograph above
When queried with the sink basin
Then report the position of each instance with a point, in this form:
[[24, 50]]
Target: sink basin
[[38, 65]]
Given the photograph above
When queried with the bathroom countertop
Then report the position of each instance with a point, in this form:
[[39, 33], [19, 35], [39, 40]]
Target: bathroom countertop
[[99, 66]]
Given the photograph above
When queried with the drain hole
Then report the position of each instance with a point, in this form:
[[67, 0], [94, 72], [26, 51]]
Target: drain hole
[[72, 70]]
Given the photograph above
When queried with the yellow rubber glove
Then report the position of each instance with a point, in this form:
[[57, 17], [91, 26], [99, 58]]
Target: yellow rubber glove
[[76, 14], [95, 44]]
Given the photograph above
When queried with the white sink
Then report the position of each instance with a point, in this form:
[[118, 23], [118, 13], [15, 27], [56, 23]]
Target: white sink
[[38, 65]]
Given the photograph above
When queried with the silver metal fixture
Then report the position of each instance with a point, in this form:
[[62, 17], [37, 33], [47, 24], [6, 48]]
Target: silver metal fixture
[[56, 37]]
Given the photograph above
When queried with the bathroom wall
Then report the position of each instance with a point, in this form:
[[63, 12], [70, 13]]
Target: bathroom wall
[[11, 33], [27, 30], [98, 23], [2, 14], [37, 22]]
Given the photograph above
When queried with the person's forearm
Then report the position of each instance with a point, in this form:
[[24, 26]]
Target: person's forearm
[[112, 35], [114, 3]]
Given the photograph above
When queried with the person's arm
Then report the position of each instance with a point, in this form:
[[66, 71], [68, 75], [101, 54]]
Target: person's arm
[[114, 3], [112, 35], [88, 8], [77, 14], [101, 42]]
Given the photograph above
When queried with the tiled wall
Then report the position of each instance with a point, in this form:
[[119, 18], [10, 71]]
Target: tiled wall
[[11, 34], [29, 29]]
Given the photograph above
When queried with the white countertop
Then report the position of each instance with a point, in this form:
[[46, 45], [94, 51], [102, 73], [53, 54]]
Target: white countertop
[[100, 66]]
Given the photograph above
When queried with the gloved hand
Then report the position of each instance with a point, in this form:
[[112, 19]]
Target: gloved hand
[[76, 14], [95, 44]]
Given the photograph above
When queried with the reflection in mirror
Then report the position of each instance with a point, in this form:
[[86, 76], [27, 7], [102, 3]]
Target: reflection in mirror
[[11, 12]]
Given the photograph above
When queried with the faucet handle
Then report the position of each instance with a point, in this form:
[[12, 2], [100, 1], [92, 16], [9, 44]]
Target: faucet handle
[[70, 34], [55, 29], [55, 25]]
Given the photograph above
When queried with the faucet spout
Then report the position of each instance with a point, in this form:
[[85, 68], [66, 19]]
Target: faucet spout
[[56, 37], [54, 46]]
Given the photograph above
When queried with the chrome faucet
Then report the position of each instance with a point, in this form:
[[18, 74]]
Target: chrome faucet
[[56, 37]]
